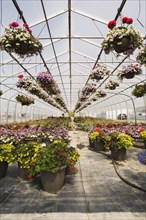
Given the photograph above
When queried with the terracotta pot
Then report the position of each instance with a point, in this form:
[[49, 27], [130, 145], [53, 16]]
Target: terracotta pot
[[124, 46], [52, 182], [118, 154], [3, 168]]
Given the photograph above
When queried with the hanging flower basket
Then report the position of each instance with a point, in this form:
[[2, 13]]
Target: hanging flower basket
[[141, 57], [139, 90], [20, 41], [99, 72], [111, 85], [89, 89], [25, 100], [100, 94], [122, 39], [130, 71]]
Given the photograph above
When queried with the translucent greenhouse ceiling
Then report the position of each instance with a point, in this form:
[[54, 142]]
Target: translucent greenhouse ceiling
[[71, 33]]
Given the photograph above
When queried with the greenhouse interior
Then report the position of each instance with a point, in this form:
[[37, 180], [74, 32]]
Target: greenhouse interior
[[73, 109]]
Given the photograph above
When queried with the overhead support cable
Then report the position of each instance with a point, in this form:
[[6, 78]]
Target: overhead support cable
[[70, 57], [53, 47]]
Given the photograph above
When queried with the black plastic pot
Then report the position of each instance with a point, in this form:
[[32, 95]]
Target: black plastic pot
[[3, 169], [123, 46], [118, 154]]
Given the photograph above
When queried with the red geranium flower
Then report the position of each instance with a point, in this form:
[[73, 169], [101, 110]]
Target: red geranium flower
[[124, 19], [20, 76], [29, 30], [141, 129], [126, 132], [73, 170], [111, 24], [98, 130], [129, 21], [25, 25], [14, 24]]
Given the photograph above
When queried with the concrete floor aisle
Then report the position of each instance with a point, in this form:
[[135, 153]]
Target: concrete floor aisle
[[94, 192]]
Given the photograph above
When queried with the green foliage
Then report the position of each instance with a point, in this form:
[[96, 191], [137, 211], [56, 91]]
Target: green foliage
[[7, 153], [143, 135], [94, 135], [71, 114], [53, 157], [120, 141], [27, 154]]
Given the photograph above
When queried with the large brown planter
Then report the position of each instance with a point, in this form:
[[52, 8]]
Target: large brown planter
[[91, 144], [123, 46], [3, 169], [52, 182], [118, 154], [144, 144], [99, 145]]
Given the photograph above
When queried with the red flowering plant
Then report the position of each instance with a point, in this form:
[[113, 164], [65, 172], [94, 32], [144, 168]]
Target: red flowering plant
[[20, 40], [122, 39]]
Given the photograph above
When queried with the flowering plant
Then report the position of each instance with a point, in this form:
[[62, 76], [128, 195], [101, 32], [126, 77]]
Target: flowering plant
[[73, 157], [121, 140], [94, 135], [52, 158], [100, 94], [139, 90], [111, 85], [142, 157], [141, 57], [20, 40], [25, 100], [143, 135], [130, 71], [27, 154], [89, 89], [122, 39], [44, 78], [7, 153], [99, 72], [1, 92]]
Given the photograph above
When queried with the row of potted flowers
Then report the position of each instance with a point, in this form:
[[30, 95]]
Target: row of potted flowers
[[116, 140], [48, 160]]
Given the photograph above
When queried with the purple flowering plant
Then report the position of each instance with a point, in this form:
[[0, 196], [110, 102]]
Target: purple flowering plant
[[130, 71]]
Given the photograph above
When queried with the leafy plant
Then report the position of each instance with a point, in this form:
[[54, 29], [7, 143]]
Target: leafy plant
[[120, 141], [143, 135], [25, 100], [139, 90], [94, 135], [122, 35], [20, 40], [52, 158], [7, 153], [141, 57]]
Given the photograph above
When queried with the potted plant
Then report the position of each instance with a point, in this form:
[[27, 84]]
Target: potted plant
[[7, 156], [139, 90], [27, 156], [51, 164], [111, 85], [73, 157], [20, 41], [89, 89], [120, 142], [143, 137], [141, 57], [99, 72], [130, 71], [100, 94], [122, 39], [96, 140], [25, 100]]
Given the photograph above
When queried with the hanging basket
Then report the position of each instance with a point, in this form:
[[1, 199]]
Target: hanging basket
[[121, 45], [129, 75]]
